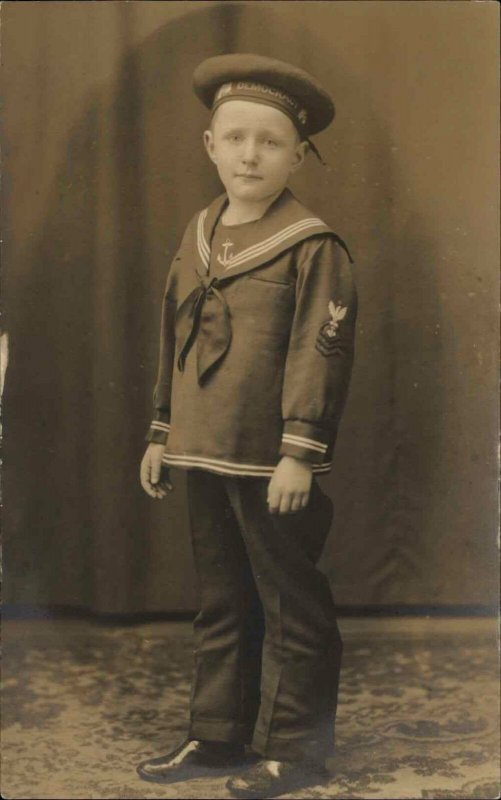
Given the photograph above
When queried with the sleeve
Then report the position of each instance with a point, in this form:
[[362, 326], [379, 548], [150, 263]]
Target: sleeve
[[321, 350], [160, 425]]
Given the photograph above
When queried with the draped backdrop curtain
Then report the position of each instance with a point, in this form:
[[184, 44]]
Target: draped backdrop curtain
[[103, 168]]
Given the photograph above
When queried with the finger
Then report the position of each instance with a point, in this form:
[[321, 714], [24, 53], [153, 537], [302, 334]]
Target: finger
[[144, 473], [273, 500], [296, 504], [305, 499], [165, 477], [145, 483], [145, 478], [162, 486], [285, 503], [155, 472]]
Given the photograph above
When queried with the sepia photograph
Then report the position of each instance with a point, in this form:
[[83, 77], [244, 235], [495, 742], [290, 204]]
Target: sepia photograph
[[250, 399]]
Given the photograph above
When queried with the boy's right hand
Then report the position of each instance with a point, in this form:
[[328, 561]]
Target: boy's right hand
[[154, 477]]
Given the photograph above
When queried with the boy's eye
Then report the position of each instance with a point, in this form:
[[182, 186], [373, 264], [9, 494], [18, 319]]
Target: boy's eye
[[271, 142]]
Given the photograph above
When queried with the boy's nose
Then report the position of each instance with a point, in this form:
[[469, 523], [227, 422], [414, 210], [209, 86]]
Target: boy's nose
[[249, 154]]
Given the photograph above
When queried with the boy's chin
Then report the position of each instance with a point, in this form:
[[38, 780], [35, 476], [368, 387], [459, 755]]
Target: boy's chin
[[253, 192]]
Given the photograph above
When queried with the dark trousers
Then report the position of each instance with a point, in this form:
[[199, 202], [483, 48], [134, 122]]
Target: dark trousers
[[268, 649]]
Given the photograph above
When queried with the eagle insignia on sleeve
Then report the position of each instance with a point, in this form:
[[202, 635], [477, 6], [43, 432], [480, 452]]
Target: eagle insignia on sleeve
[[326, 342]]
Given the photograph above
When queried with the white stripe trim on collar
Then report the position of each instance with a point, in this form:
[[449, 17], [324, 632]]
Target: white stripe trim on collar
[[273, 241], [255, 250], [203, 247]]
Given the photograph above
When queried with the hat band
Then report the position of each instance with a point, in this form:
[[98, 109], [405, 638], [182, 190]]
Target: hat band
[[267, 95]]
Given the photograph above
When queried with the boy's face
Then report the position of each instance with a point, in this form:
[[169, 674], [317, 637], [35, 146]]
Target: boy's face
[[255, 148]]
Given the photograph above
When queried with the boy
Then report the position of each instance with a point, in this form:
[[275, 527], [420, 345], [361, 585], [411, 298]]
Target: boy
[[256, 354]]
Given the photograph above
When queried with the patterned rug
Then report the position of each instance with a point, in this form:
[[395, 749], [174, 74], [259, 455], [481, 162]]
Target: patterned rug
[[83, 703]]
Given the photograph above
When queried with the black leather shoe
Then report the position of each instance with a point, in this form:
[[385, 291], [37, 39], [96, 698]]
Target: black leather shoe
[[273, 778], [193, 759]]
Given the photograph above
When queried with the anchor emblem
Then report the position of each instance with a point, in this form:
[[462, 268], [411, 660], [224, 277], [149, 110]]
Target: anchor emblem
[[225, 261]]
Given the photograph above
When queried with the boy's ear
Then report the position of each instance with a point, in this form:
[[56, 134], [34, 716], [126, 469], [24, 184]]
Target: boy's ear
[[209, 145], [300, 155]]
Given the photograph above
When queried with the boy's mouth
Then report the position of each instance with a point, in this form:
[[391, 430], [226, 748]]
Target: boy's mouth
[[249, 175]]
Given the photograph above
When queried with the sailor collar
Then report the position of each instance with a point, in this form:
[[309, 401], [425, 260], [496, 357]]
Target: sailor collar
[[286, 223]]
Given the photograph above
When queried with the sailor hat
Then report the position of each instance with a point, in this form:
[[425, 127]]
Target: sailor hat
[[258, 79]]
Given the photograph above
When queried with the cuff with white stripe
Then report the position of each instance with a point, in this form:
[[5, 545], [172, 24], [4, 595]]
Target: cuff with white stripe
[[305, 441], [159, 429]]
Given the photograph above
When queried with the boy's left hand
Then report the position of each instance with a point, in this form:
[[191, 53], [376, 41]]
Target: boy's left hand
[[289, 487]]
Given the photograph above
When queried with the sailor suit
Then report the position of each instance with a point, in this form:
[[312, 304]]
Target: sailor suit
[[255, 362], [255, 359]]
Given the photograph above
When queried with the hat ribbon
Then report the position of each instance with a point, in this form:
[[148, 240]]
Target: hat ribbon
[[315, 150]]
